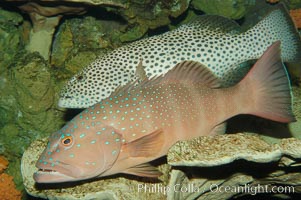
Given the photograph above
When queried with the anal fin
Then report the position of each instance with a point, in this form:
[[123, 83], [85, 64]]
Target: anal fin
[[219, 129], [144, 170]]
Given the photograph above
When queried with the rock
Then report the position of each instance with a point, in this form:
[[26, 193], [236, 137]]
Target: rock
[[227, 8], [10, 37], [32, 82], [294, 4], [79, 35], [151, 14]]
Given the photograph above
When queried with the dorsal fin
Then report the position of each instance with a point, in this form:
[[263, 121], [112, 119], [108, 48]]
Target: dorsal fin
[[215, 23], [141, 76], [140, 72], [184, 72], [192, 72]]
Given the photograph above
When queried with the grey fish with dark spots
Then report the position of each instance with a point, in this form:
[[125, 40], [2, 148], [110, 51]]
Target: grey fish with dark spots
[[211, 40], [138, 124]]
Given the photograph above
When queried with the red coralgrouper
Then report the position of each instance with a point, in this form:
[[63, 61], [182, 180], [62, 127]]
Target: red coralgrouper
[[138, 124]]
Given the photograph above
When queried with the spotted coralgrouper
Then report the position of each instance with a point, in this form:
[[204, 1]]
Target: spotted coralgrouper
[[139, 123], [214, 41]]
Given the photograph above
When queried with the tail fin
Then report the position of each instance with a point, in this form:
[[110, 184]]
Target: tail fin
[[277, 26], [271, 96]]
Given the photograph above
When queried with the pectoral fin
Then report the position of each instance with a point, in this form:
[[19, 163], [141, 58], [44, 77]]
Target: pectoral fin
[[144, 170], [146, 146]]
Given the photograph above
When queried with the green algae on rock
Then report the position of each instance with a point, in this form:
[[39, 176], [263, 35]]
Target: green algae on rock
[[32, 83], [294, 4], [10, 36], [35, 94], [150, 15], [77, 35], [27, 109], [227, 8]]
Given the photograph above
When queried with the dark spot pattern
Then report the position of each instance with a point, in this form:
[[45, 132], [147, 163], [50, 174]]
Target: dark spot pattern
[[220, 49]]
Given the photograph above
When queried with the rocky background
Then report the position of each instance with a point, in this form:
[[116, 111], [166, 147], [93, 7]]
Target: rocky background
[[31, 75]]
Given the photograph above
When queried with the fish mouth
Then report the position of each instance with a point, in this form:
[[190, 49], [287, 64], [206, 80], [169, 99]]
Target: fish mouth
[[46, 170], [51, 176], [71, 102], [57, 174]]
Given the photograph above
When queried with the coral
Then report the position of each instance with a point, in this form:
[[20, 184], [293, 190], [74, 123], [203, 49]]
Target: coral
[[3, 164], [295, 127], [44, 20], [296, 16], [7, 186], [213, 162], [224, 149], [45, 16]]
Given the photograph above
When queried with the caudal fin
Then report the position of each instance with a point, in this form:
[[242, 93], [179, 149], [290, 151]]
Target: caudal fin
[[277, 26], [268, 89]]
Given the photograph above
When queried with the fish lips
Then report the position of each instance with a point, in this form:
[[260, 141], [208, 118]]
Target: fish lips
[[66, 102], [51, 177], [57, 174]]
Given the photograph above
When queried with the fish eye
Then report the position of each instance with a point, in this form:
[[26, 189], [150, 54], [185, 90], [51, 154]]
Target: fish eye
[[67, 141], [80, 77]]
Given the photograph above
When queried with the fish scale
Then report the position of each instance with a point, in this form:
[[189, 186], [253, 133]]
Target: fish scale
[[139, 123], [214, 41]]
